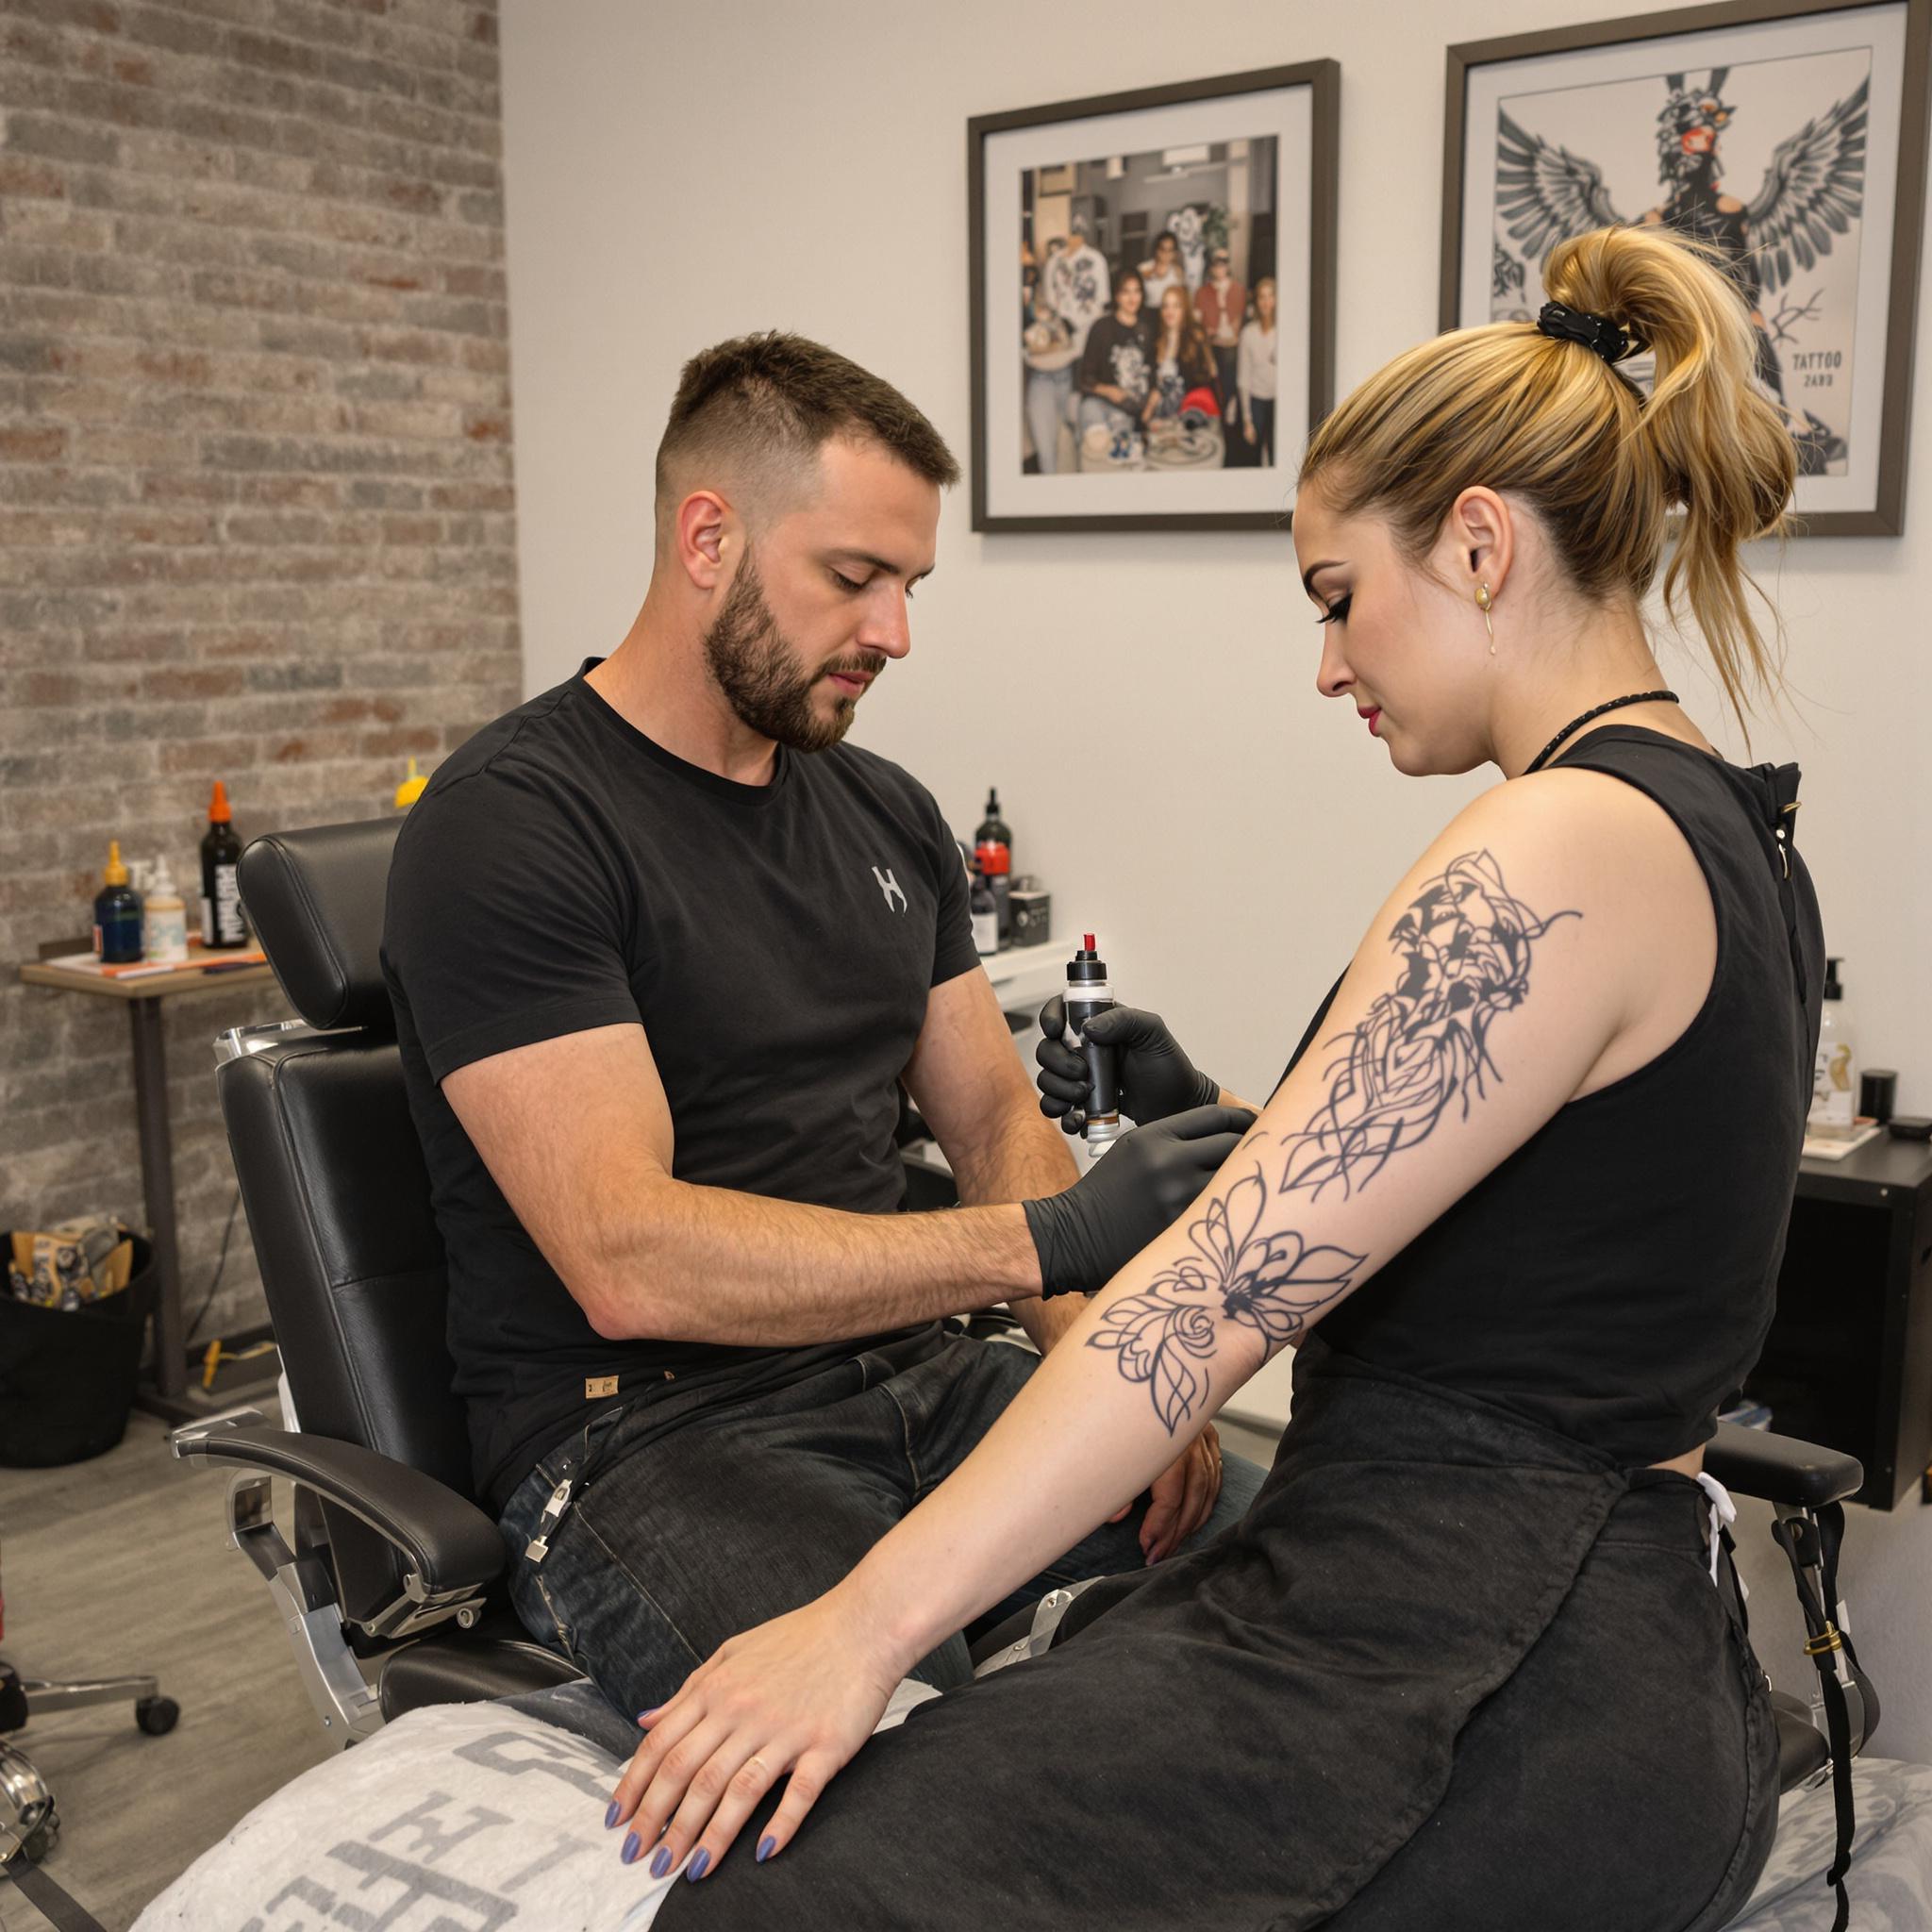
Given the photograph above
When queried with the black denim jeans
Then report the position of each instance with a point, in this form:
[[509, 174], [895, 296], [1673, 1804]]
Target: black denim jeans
[[1450, 1675], [692, 1520]]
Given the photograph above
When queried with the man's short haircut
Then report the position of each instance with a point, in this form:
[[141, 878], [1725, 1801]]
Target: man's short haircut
[[758, 410]]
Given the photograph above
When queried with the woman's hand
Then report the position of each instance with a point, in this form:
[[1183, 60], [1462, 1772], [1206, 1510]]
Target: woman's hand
[[1248, 431], [799, 1694]]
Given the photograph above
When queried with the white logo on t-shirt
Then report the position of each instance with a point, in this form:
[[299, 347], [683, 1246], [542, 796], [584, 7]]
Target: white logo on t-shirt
[[889, 886]]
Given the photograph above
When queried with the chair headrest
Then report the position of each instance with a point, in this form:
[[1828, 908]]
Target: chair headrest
[[315, 898]]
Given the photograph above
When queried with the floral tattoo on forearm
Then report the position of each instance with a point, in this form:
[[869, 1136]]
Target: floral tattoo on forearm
[[1270, 1283], [1463, 945]]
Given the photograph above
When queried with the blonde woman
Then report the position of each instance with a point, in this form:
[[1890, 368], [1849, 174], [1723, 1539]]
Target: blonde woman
[[1519, 1201], [1256, 361]]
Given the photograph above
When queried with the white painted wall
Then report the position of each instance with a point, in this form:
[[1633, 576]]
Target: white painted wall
[[1145, 704]]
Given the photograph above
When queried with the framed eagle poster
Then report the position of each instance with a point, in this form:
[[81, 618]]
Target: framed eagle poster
[[1788, 135]]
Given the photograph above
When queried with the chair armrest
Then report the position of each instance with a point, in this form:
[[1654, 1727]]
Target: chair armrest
[[1780, 1468], [447, 1543]]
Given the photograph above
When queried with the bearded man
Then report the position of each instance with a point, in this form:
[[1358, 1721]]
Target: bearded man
[[663, 950]]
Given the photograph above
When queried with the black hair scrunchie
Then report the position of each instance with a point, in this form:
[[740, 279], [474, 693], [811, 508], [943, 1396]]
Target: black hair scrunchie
[[1597, 332]]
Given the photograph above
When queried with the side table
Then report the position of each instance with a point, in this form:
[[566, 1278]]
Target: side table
[[143, 997], [1848, 1362]]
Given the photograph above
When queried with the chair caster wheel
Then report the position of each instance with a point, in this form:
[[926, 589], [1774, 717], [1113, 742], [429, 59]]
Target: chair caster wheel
[[41, 1840], [157, 1715]]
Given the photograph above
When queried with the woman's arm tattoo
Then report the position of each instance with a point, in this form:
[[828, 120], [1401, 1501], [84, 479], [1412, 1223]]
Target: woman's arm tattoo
[[1464, 948], [1269, 1283]]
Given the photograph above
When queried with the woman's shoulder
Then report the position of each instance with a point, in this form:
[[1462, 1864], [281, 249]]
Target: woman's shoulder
[[1564, 808], [1590, 837], [1580, 837]]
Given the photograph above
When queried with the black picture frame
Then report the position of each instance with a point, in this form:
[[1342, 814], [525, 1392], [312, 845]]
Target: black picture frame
[[1883, 513], [1323, 80]]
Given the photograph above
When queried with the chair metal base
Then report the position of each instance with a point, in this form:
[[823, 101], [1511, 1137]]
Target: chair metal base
[[28, 1822], [29, 1825], [42, 1697]]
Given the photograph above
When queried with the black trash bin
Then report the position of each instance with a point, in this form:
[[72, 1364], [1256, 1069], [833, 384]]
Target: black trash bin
[[67, 1376]]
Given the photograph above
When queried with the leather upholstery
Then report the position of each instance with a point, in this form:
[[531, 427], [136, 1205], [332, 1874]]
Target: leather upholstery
[[498, 1659], [338, 1201], [337, 1204], [449, 1543], [315, 899], [1801, 1751], [1781, 1469]]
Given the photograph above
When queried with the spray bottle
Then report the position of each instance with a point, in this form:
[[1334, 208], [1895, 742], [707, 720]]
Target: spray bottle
[[1088, 994], [1835, 1077]]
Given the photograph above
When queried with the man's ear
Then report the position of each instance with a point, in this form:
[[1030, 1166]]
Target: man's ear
[[1479, 535], [701, 531]]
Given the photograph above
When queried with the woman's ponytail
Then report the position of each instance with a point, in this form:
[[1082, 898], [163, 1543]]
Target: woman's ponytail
[[1512, 407], [1725, 451]]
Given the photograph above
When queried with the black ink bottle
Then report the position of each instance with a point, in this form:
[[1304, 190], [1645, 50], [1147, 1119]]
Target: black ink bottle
[[993, 847], [223, 926]]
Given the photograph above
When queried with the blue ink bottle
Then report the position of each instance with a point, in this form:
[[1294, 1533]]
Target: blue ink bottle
[[117, 913]]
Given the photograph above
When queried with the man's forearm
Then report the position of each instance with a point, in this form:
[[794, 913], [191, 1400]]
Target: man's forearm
[[1046, 1322], [710, 1264], [1026, 1157]]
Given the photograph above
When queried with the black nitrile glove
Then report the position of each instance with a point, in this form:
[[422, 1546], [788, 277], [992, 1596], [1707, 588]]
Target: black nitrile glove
[[1156, 1078], [1140, 1186]]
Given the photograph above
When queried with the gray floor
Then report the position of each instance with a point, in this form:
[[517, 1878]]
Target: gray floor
[[121, 1566]]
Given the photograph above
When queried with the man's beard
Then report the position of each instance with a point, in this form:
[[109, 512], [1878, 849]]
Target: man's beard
[[759, 674]]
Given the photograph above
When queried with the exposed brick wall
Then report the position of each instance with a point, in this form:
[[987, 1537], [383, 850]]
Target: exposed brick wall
[[255, 507]]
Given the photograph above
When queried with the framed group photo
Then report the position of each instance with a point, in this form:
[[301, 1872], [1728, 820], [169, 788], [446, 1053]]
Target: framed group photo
[[1788, 135], [1151, 282]]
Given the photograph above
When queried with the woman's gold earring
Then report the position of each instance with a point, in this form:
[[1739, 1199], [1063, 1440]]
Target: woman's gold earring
[[1483, 601]]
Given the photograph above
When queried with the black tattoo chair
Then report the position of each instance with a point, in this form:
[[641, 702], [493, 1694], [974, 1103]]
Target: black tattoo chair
[[388, 1574]]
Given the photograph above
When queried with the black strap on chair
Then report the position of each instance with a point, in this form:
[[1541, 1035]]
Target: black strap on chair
[[47, 1898], [1826, 1639]]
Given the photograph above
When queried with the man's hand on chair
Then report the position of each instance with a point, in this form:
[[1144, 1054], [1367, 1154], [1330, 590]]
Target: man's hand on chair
[[1181, 1499]]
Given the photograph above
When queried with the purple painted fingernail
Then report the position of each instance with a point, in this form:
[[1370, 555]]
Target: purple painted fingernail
[[767, 1845], [695, 1870], [645, 1717], [661, 1863], [610, 1816], [633, 1844]]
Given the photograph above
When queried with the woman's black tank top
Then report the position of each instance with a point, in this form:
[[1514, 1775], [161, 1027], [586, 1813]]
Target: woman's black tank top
[[1614, 1278]]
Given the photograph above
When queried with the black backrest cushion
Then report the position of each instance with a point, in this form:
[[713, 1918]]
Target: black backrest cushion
[[315, 898]]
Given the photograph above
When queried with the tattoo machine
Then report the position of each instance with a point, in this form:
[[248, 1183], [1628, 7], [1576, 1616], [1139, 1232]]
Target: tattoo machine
[[1088, 994]]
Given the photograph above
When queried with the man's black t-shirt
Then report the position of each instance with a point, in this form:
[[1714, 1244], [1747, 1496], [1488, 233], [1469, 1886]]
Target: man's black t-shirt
[[777, 943]]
